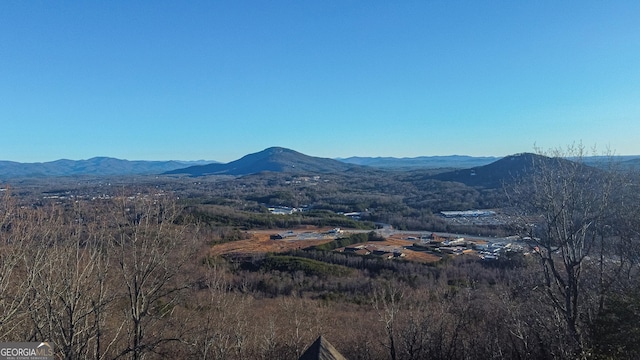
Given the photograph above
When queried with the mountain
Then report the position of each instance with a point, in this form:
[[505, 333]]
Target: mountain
[[430, 162], [100, 166], [497, 173], [275, 159], [513, 168], [479, 171]]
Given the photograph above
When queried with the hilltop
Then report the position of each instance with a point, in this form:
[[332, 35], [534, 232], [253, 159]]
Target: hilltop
[[274, 159], [504, 171]]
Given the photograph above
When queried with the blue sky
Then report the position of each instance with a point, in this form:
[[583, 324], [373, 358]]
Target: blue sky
[[159, 80]]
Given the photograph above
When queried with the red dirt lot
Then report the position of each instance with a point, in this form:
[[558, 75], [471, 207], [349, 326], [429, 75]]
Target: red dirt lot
[[260, 242]]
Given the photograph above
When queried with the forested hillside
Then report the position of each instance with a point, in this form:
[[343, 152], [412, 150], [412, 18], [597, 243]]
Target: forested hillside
[[123, 269]]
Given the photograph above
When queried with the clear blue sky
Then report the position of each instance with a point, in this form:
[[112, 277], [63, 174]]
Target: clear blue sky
[[152, 80]]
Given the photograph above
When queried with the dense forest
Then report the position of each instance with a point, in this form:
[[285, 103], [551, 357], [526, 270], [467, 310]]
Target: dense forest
[[129, 273]]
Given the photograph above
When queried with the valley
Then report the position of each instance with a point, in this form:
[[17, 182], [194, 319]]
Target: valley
[[429, 262]]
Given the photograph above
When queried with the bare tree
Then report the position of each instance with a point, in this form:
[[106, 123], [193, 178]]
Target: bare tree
[[220, 318], [569, 207], [152, 250], [387, 301], [20, 262], [66, 267]]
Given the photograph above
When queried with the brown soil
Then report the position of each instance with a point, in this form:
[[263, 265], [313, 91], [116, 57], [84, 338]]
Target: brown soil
[[261, 243]]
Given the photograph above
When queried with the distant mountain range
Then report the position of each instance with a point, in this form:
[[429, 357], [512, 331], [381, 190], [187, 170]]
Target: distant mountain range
[[623, 161], [475, 171], [472, 171], [97, 166]]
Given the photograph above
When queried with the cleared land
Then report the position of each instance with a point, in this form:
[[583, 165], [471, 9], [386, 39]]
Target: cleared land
[[261, 242]]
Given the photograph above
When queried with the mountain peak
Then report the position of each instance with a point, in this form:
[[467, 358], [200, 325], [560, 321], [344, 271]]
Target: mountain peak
[[494, 174], [503, 171], [277, 149], [275, 159]]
